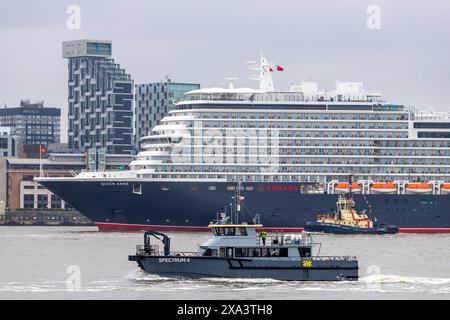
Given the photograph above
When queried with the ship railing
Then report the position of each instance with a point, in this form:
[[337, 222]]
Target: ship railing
[[325, 216], [334, 258], [151, 250], [314, 258], [185, 254], [286, 240]]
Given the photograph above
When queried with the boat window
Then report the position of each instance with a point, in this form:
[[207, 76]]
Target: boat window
[[229, 252], [304, 251], [221, 252], [264, 252], [242, 231], [224, 231], [254, 252], [283, 252], [241, 252], [210, 252]]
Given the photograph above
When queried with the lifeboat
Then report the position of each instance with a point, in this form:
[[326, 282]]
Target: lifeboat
[[385, 188], [421, 188], [445, 188], [343, 187]]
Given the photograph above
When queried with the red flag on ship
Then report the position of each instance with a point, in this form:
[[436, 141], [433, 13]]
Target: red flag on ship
[[280, 68], [270, 69]]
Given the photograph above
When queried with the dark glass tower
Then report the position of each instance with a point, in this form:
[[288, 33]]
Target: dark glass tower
[[100, 98]]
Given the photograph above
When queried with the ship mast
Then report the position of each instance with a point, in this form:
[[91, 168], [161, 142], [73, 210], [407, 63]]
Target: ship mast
[[264, 75], [237, 201]]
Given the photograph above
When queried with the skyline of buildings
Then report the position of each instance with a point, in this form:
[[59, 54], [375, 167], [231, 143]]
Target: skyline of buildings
[[106, 112], [32, 123]]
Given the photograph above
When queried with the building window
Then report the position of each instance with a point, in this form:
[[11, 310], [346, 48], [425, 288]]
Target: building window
[[56, 202], [3, 143], [42, 201], [28, 201]]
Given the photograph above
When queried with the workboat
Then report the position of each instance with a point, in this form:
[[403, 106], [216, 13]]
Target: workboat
[[346, 220], [245, 250]]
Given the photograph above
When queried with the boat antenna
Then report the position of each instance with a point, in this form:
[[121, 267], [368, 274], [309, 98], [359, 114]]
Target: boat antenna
[[237, 199], [350, 185]]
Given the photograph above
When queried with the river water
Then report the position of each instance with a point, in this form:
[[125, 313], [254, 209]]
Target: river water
[[82, 263]]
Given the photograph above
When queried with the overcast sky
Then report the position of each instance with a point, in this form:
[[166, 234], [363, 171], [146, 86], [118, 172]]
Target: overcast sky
[[201, 41]]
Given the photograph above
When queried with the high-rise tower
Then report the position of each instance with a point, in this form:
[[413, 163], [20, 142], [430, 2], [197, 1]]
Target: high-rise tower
[[100, 98]]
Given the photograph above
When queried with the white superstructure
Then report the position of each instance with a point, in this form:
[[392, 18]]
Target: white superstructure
[[301, 135]]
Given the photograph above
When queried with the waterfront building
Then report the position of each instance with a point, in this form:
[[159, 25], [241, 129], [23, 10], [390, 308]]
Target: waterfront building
[[153, 101], [8, 143], [100, 98], [22, 192], [32, 123]]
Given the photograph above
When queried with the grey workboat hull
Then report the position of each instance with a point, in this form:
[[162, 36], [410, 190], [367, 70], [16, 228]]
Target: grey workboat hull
[[285, 269]]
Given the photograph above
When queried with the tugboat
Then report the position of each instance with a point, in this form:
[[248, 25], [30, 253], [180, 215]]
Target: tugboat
[[347, 220], [245, 250]]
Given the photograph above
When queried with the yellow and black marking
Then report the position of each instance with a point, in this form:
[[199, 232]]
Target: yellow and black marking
[[307, 263]]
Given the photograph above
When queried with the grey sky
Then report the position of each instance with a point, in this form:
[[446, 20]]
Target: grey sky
[[206, 41]]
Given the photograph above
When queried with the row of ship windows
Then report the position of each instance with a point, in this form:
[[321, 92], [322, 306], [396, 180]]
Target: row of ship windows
[[309, 170], [331, 134], [311, 161], [296, 116], [291, 171], [303, 126], [335, 143], [305, 152]]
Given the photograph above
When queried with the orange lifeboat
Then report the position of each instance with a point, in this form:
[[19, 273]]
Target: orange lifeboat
[[343, 187], [385, 188], [445, 188], [418, 188]]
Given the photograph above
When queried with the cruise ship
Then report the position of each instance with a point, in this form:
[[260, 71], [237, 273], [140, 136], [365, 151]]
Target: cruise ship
[[291, 152]]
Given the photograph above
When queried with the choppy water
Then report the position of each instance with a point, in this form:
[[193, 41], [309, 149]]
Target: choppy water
[[43, 263]]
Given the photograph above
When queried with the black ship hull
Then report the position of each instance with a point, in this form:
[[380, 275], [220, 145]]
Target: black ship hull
[[189, 206]]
